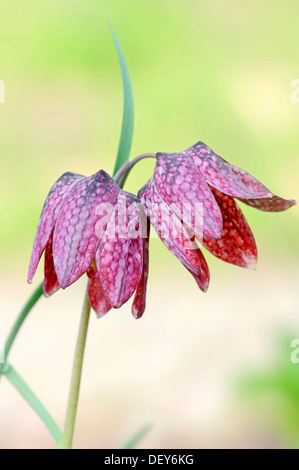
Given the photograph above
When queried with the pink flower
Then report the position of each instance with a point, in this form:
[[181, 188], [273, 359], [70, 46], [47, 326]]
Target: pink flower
[[89, 225], [191, 195]]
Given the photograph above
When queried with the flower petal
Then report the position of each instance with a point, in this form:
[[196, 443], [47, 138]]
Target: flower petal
[[119, 255], [182, 187], [48, 217], [270, 204], [237, 244], [75, 235], [96, 294], [202, 279], [51, 283], [174, 234], [221, 175], [139, 302]]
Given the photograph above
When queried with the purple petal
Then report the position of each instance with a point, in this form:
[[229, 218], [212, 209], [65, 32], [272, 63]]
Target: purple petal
[[119, 258], [75, 235], [48, 217], [221, 175], [270, 204], [182, 187], [139, 302], [96, 294], [175, 235], [236, 245]]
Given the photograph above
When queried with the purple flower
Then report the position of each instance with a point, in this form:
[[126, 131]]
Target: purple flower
[[89, 225], [191, 196]]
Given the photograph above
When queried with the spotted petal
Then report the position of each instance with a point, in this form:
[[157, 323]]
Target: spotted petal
[[48, 218], [138, 306], [237, 244], [227, 178], [51, 283], [174, 234], [119, 258], [75, 239], [96, 294], [270, 204], [184, 189], [202, 279]]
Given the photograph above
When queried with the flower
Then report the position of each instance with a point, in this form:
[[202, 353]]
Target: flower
[[90, 225], [191, 196]]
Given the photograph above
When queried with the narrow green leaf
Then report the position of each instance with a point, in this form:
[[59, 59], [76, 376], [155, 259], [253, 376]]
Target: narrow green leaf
[[126, 136], [33, 401], [131, 443], [19, 321]]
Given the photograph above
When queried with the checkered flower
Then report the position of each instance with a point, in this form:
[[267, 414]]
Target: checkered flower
[[90, 225], [191, 196]]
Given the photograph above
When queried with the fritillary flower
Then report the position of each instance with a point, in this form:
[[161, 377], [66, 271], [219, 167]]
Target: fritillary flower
[[191, 195], [90, 225]]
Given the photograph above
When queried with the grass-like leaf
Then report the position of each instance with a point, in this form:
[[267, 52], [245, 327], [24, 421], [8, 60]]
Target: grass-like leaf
[[35, 296], [126, 136], [26, 392], [131, 443]]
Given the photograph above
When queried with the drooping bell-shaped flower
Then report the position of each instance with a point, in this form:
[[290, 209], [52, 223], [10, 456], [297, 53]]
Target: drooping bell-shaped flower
[[89, 224], [191, 196]]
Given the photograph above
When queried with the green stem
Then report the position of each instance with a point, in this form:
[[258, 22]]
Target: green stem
[[16, 380], [19, 321], [76, 377], [123, 153], [121, 175]]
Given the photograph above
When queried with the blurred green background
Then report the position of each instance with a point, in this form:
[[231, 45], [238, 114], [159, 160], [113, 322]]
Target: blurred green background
[[216, 71]]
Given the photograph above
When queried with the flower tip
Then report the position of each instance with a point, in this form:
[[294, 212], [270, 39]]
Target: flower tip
[[64, 284], [203, 286], [253, 266], [137, 312], [99, 315], [251, 263]]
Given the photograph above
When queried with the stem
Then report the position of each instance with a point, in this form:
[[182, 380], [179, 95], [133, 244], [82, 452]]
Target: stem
[[76, 377], [19, 321], [123, 153], [129, 165]]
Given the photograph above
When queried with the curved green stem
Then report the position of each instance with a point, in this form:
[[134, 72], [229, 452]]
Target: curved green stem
[[19, 321], [121, 175], [76, 377]]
